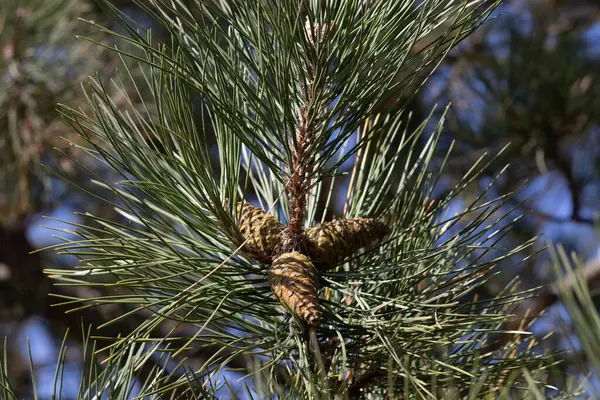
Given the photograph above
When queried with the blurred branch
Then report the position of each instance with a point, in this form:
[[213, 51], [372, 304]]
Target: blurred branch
[[565, 167], [532, 308], [553, 218]]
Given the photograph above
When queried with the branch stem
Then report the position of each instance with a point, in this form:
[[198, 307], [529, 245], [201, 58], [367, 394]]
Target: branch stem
[[303, 159]]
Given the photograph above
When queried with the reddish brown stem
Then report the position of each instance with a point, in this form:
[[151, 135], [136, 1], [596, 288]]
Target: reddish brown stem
[[297, 189]]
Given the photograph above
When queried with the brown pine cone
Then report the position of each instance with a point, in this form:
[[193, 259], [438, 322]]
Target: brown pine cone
[[293, 279], [334, 241], [261, 230]]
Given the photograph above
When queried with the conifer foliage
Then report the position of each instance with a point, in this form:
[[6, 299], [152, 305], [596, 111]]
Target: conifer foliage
[[287, 88]]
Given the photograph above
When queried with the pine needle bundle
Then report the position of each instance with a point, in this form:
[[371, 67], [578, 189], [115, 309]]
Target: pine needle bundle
[[261, 231], [334, 241], [293, 279]]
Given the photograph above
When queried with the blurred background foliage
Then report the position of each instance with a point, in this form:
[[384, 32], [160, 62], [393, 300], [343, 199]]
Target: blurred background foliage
[[43, 64], [529, 79]]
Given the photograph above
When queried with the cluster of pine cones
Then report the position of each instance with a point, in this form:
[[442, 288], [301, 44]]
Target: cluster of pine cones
[[293, 275]]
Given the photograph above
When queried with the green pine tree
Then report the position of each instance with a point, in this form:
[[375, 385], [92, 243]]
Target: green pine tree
[[373, 303]]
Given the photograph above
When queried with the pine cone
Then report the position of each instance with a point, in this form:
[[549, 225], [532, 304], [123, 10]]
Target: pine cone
[[293, 279], [334, 241], [261, 230]]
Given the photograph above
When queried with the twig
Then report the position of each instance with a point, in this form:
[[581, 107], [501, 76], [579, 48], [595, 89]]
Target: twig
[[301, 167], [303, 156]]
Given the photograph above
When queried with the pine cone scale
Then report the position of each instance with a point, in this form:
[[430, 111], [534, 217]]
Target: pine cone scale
[[293, 280], [261, 232], [334, 241]]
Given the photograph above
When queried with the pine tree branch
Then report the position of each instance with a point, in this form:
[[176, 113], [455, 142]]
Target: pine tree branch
[[256, 79]]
